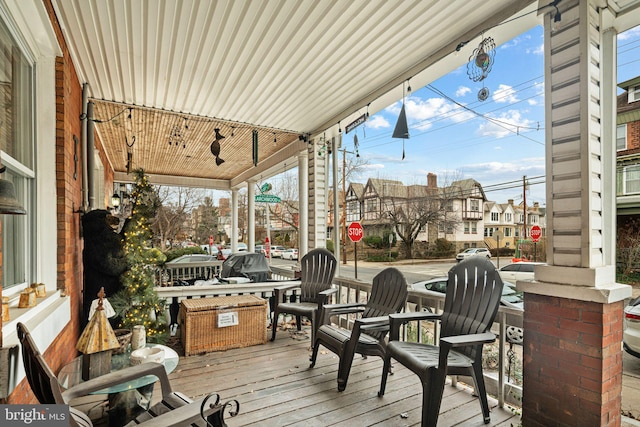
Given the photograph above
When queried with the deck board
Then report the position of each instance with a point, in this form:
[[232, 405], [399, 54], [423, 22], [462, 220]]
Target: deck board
[[276, 387]]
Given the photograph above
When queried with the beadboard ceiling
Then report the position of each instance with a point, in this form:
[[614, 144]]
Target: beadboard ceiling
[[286, 68]]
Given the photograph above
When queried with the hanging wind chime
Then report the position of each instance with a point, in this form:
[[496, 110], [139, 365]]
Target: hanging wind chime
[[480, 63], [129, 144], [402, 129]]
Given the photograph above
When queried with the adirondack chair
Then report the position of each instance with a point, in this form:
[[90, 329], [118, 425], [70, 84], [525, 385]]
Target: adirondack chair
[[175, 409], [368, 336], [318, 267], [473, 295]]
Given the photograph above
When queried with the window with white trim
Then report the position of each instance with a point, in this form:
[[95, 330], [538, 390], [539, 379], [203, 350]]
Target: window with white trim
[[495, 217], [631, 179], [621, 137], [17, 148], [634, 94]]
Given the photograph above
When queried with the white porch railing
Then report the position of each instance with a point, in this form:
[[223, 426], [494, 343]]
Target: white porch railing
[[352, 290]]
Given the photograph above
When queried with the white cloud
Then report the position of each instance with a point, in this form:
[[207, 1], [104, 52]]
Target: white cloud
[[629, 34], [377, 122], [532, 102], [462, 91], [505, 93], [536, 51], [505, 124]]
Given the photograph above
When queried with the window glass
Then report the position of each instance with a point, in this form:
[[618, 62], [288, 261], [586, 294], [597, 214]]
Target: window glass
[[621, 137], [16, 143], [632, 179]]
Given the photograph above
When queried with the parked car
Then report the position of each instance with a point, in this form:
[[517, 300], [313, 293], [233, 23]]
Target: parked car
[[259, 249], [518, 271], [242, 247], [290, 254], [276, 251], [438, 284], [511, 297], [223, 254], [185, 259], [473, 252], [213, 248], [631, 328]]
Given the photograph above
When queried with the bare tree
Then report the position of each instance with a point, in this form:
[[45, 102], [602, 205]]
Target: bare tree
[[411, 209], [628, 245], [170, 224]]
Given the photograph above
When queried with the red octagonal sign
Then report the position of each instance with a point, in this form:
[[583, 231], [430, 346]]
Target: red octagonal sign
[[535, 233], [355, 231]]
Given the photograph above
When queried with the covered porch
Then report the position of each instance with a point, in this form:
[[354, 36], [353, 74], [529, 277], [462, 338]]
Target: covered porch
[[297, 73]]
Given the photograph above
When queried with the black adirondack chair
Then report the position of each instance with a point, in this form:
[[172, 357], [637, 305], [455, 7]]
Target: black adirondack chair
[[368, 336], [473, 295], [175, 409], [318, 267]]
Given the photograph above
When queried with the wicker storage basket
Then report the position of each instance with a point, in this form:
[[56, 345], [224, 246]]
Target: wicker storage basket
[[222, 323]]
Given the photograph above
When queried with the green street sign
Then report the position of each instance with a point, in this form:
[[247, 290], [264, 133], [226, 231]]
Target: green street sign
[[268, 198]]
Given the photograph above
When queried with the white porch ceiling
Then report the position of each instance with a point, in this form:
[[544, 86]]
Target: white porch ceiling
[[283, 67]]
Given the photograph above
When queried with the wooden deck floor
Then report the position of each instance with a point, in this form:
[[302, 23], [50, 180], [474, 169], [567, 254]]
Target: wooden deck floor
[[275, 387]]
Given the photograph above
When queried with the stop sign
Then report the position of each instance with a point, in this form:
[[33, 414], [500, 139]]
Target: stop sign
[[535, 233], [355, 232]]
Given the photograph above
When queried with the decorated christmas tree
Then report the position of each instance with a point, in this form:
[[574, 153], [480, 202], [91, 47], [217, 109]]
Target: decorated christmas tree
[[137, 303]]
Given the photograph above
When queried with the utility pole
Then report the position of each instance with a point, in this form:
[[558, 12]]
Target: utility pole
[[343, 221], [524, 198]]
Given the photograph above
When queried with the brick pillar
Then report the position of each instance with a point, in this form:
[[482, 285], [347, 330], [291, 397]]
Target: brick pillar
[[573, 310], [578, 382]]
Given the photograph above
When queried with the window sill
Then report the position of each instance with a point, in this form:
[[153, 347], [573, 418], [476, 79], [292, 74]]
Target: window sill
[[45, 322]]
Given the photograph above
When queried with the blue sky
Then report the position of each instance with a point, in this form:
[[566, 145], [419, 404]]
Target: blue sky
[[454, 142]]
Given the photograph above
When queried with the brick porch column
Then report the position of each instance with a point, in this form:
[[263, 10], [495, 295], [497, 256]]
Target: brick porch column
[[573, 362], [573, 309]]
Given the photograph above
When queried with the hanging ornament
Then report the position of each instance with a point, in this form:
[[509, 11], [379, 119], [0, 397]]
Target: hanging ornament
[[480, 64], [215, 147], [402, 129]]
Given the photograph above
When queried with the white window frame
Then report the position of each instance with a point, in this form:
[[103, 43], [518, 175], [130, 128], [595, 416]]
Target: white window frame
[[621, 137], [626, 171]]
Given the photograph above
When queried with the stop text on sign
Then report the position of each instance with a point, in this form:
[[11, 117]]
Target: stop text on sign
[[355, 232], [535, 233]]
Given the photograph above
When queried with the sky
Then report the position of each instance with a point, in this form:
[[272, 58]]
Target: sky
[[497, 142]]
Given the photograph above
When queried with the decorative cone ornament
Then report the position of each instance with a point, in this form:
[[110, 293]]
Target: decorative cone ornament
[[96, 342], [402, 129]]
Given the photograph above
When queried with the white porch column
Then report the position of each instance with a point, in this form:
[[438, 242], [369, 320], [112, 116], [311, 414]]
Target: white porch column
[[251, 215], [573, 309], [303, 196], [335, 144], [234, 221], [317, 194]]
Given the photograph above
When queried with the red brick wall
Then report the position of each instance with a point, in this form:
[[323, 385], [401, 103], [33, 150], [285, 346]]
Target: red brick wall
[[572, 362], [633, 135]]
